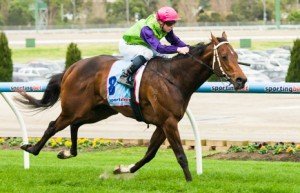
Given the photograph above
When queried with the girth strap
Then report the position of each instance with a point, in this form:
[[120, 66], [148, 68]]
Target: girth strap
[[137, 111]]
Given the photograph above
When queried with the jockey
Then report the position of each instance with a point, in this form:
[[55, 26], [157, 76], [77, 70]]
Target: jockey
[[141, 42]]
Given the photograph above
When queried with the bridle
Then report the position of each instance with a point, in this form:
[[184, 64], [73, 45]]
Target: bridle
[[216, 58]]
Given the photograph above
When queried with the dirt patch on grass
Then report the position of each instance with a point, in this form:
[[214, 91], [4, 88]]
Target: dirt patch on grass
[[256, 156]]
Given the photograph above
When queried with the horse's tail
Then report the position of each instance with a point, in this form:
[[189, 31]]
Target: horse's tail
[[50, 97]]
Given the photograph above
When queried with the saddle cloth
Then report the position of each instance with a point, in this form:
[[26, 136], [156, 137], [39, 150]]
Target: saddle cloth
[[118, 94]]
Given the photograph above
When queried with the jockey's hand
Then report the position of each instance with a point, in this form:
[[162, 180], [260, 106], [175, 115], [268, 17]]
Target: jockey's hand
[[183, 50]]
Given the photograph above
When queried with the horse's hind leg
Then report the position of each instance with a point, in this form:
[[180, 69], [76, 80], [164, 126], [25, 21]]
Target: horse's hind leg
[[99, 113], [64, 154], [74, 134], [158, 137], [54, 126]]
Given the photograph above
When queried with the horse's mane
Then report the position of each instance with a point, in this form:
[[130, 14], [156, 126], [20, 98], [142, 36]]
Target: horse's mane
[[195, 50]]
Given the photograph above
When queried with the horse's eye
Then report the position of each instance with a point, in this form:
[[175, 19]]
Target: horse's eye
[[224, 57]]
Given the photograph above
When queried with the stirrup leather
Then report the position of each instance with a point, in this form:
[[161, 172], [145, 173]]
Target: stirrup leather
[[126, 80]]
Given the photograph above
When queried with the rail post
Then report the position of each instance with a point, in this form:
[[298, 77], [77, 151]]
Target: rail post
[[22, 125]]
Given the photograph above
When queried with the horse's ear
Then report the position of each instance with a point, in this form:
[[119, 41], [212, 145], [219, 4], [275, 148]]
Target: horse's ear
[[214, 39], [224, 35]]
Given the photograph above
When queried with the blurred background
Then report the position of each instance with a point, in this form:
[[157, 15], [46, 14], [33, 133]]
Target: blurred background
[[57, 14], [39, 31]]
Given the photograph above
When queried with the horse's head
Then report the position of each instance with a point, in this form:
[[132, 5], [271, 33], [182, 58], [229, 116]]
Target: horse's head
[[225, 62]]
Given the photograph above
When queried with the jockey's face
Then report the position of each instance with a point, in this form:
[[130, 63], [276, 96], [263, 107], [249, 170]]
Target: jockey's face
[[167, 26]]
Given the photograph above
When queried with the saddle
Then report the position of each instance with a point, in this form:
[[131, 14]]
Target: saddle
[[120, 95]]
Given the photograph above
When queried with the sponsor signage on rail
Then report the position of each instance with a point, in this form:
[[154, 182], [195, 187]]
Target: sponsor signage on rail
[[23, 86], [208, 87], [219, 87]]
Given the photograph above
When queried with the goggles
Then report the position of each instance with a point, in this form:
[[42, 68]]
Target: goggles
[[170, 23]]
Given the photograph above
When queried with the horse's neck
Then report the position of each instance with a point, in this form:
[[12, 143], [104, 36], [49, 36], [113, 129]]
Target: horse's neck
[[189, 74]]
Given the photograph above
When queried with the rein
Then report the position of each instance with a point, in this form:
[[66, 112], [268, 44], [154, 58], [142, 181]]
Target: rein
[[215, 58]]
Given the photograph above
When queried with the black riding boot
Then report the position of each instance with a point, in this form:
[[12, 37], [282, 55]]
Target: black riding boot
[[127, 75]]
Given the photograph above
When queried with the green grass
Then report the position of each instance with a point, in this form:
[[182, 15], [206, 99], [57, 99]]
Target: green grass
[[58, 52], [264, 45], [162, 174]]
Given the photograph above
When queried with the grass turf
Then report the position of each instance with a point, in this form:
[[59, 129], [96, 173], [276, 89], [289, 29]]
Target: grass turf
[[58, 52], [162, 174]]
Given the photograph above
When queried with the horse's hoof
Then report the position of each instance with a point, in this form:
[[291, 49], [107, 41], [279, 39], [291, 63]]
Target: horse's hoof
[[64, 154], [117, 170], [29, 148], [25, 147], [120, 169]]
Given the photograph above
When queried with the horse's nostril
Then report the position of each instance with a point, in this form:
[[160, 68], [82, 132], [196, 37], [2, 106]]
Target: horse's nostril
[[240, 80]]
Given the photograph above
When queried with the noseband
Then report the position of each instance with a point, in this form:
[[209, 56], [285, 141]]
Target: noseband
[[215, 58]]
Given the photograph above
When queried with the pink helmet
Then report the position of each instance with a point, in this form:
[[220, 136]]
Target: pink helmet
[[167, 14]]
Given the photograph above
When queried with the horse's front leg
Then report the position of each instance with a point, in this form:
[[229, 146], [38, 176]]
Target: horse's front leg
[[65, 154], [171, 130], [156, 140]]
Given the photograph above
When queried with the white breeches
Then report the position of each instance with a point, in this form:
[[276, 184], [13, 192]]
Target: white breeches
[[131, 51]]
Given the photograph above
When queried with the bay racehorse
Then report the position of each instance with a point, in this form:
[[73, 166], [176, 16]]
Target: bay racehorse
[[166, 88]]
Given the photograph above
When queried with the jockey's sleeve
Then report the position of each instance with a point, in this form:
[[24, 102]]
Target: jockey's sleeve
[[148, 36], [174, 40]]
